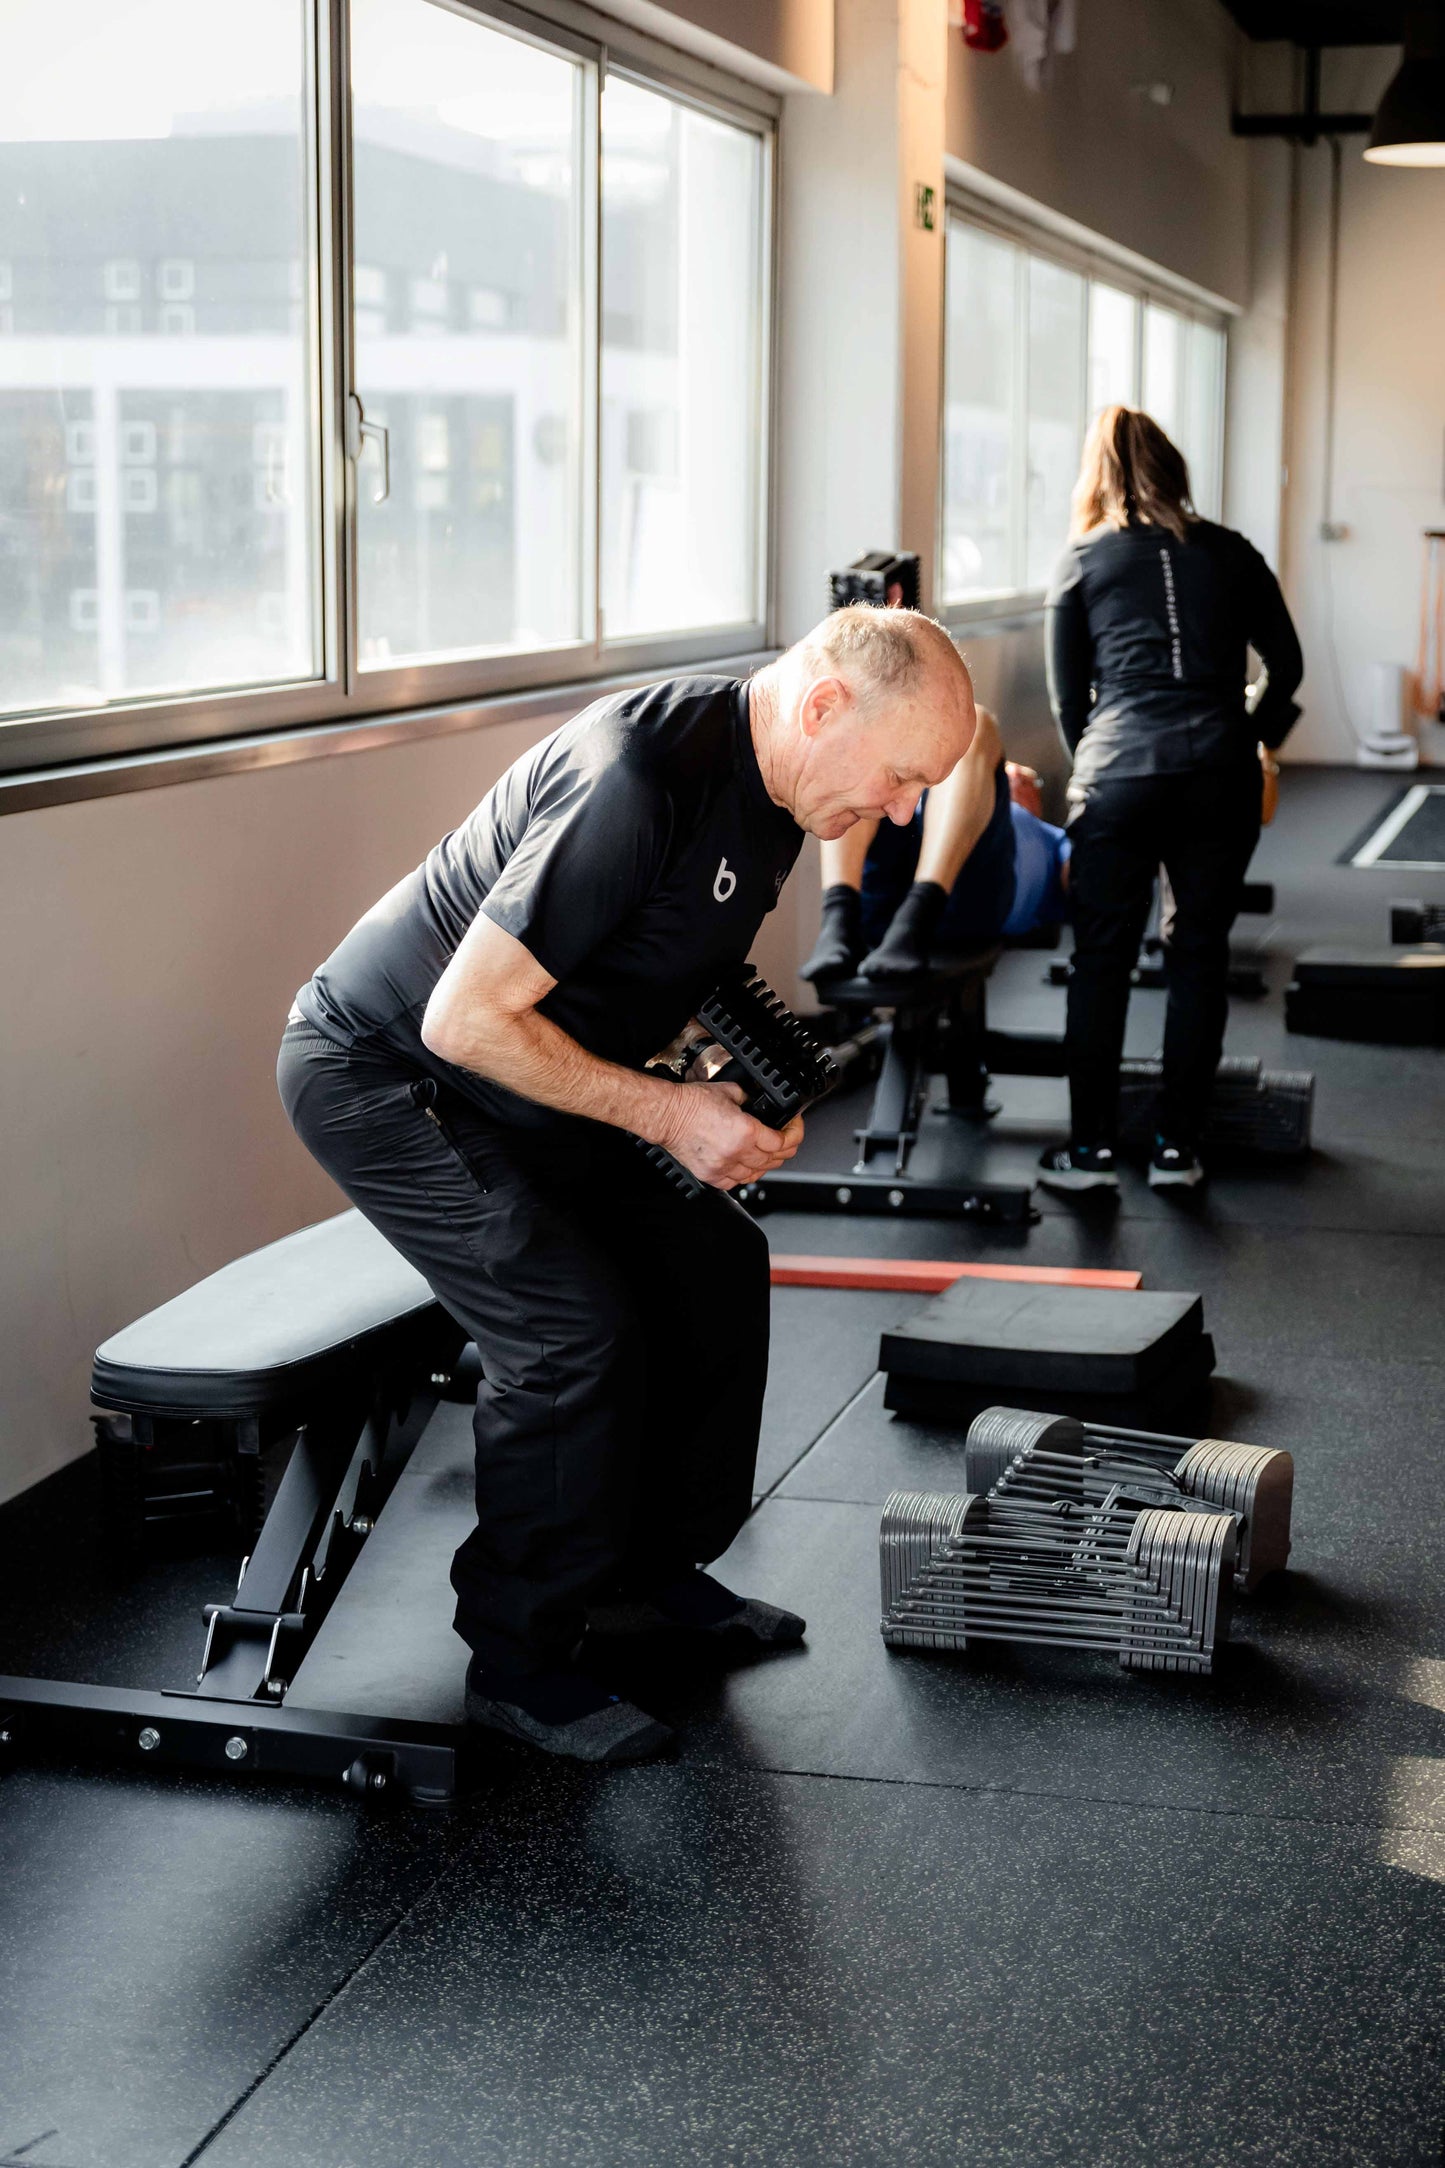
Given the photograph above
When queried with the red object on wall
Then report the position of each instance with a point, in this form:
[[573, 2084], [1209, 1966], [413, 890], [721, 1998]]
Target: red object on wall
[[984, 28]]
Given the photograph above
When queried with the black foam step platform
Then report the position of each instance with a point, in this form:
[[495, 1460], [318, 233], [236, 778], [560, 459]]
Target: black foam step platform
[[1005, 1334], [1390, 995], [1412, 921], [1178, 1400]]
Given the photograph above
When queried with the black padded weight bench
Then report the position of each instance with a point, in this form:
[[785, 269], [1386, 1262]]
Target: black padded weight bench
[[200, 1399], [328, 1343], [928, 1024]]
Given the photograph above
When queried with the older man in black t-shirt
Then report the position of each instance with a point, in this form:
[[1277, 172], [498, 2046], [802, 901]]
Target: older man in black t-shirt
[[467, 1065]]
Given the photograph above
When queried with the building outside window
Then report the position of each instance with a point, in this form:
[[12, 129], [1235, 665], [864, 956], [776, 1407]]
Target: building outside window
[[125, 452]]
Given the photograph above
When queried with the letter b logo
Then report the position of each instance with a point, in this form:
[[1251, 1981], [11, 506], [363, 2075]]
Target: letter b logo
[[725, 882]]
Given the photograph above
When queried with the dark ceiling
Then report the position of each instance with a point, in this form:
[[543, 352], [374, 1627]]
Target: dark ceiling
[[1321, 22]]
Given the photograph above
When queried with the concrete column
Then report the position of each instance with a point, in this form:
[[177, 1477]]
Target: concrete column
[[862, 298], [860, 336]]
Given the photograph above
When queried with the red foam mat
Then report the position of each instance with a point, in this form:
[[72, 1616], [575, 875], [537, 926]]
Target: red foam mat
[[925, 1276]]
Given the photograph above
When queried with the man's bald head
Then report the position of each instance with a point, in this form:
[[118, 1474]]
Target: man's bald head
[[886, 654], [863, 714]]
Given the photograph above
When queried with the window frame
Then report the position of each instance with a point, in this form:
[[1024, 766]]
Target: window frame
[[1097, 266], [341, 693]]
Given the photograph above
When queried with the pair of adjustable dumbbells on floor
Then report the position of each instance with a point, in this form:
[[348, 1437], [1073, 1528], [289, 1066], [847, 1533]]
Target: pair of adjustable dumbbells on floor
[[1077, 1535]]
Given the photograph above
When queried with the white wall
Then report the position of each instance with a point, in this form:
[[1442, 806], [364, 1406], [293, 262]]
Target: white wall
[[787, 42], [149, 949], [1167, 181], [1358, 600]]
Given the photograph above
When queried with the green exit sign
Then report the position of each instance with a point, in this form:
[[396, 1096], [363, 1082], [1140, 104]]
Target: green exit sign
[[923, 202]]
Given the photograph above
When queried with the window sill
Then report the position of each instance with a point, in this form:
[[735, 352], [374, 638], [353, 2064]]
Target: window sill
[[1004, 613], [26, 790]]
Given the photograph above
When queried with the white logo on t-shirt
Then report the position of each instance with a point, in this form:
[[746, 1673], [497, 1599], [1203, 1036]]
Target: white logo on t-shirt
[[724, 882]]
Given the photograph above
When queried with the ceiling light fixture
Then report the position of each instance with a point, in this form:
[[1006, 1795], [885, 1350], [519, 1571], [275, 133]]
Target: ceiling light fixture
[[1409, 127]]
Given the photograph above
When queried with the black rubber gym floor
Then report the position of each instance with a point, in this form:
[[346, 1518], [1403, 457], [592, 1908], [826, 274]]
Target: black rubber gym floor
[[1020, 1909]]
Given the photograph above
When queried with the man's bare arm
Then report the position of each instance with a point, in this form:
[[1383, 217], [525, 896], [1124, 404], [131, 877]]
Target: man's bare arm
[[483, 1016]]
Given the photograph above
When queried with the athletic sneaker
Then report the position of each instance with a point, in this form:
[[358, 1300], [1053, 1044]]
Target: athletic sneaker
[[697, 1604], [1075, 1167], [563, 1712], [1174, 1166]]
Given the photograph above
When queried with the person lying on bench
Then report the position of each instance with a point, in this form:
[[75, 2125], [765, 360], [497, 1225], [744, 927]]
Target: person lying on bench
[[974, 864], [468, 1067]]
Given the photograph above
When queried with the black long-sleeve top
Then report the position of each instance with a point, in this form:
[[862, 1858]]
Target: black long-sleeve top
[[1146, 650]]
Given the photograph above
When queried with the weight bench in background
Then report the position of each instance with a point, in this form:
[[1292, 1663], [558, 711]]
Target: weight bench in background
[[328, 1342], [1246, 973], [932, 1023], [1252, 1110], [939, 1026]]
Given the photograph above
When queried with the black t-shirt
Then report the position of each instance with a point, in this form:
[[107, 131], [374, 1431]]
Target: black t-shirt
[[634, 853], [1147, 651]]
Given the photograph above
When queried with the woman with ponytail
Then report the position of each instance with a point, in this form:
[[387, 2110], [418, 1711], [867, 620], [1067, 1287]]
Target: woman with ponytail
[[1149, 621]]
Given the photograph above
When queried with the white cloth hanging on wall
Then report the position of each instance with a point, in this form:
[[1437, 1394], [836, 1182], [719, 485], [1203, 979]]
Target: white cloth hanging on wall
[[1039, 29]]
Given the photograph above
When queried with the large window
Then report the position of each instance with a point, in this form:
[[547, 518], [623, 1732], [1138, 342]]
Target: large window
[[468, 335], [682, 328], [380, 351], [1035, 345], [158, 515]]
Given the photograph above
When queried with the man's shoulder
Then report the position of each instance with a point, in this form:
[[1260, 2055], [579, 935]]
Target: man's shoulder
[[659, 734], [651, 746], [668, 709]]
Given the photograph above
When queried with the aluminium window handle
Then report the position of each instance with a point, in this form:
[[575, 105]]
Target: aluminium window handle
[[358, 430]]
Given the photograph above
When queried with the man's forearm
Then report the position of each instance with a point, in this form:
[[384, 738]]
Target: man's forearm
[[535, 1058]]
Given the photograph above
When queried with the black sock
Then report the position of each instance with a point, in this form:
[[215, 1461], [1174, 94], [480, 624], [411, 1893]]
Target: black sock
[[840, 937], [695, 1599], [559, 1696], [906, 946]]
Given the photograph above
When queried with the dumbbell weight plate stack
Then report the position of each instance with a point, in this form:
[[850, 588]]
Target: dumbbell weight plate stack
[[997, 1437], [1189, 1559], [915, 1528], [1254, 1482]]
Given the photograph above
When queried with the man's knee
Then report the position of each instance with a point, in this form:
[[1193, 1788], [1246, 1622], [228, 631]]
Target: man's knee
[[723, 1273], [736, 1240]]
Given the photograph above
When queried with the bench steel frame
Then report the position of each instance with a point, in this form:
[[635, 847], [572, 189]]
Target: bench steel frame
[[936, 1025], [236, 1722]]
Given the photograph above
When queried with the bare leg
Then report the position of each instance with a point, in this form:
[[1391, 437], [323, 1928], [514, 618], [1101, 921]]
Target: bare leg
[[958, 811], [843, 860], [960, 807]]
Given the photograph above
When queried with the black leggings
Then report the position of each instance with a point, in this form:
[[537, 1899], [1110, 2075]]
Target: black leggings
[[623, 1332], [1202, 828]]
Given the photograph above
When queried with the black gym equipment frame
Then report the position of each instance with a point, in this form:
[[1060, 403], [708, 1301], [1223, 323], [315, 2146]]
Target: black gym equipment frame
[[931, 1024], [236, 1721]]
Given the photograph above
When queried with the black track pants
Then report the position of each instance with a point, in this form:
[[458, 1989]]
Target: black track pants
[[1202, 828], [623, 1331]]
